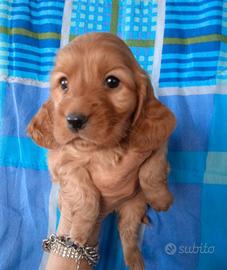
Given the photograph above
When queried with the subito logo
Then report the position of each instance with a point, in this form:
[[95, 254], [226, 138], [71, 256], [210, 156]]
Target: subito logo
[[170, 249]]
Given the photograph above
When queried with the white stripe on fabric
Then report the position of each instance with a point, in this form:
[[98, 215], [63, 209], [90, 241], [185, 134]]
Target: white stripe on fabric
[[53, 203], [141, 234], [66, 22], [193, 90], [5, 78], [158, 45]]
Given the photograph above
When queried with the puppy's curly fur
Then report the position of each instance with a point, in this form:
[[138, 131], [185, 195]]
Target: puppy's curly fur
[[118, 160]]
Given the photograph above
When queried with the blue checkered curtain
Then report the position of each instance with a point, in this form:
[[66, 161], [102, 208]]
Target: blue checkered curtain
[[182, 44]]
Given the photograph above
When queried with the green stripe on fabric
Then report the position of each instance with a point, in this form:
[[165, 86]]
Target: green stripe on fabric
[[24, 32], [71, 37], [114, 18], [139, 43], [193, 40]]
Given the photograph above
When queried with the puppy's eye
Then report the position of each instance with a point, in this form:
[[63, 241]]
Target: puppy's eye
[[64, 84], [112, 81]]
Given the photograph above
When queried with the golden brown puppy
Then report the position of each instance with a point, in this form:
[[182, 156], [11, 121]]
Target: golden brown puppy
[[107, 137]]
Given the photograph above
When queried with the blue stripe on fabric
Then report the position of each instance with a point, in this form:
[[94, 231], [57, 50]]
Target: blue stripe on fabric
[[189, 83], [17, 110], [187, 167], [31, 63], [37, 69], [177, 32], [25, 56], [26, 50], [177, 20], [183, 67], [20, 20], [22, 153], [24, 204], [192, 60], [41, 43], [191, 16], [180, 225], [12, 9], [191, 48], [194, 25], [55, 7], [190, 55], [194, 5], [34, 4], [222, 67], [19, 68], [222, 60], [38, 26], [175, 78], [192, 119], [218, 128], [179, 71], [213, 227], [48, 14], [187, 12]]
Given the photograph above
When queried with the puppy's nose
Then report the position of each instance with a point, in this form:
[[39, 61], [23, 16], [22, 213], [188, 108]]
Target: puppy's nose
[[76, 121]]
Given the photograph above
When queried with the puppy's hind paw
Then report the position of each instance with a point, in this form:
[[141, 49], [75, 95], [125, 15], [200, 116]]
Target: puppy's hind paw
[[162, 202], [134, 260]]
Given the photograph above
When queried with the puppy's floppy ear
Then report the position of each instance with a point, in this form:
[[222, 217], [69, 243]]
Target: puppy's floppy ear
[[153, 122], [41, 127]]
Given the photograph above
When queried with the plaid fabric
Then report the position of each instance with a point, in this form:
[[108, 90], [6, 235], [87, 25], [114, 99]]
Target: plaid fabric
[[183, 46]]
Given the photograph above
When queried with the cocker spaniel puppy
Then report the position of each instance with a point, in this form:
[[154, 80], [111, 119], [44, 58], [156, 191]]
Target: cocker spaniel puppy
[[106, 134]]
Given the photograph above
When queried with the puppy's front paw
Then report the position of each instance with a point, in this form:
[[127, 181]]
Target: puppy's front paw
[[134, 260], [162, 201]]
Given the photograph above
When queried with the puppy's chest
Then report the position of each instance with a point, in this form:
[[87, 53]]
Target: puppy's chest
[[115, 173], [114, 170], [109, 170]]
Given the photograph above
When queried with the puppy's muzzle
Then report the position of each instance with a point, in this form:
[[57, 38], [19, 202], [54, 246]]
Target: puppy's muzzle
[[76, 121]]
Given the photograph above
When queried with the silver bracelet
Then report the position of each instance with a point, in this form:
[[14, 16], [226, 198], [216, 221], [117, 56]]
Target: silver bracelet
[[63, 246]]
